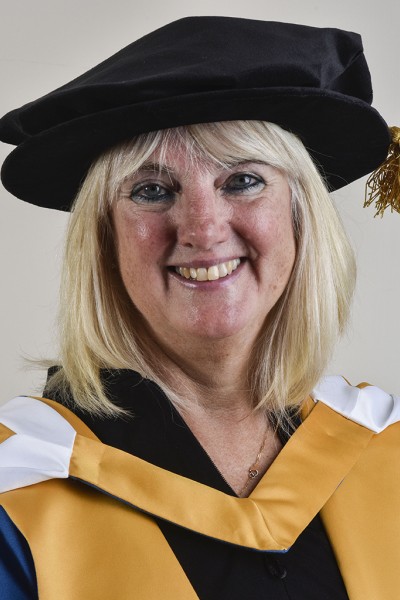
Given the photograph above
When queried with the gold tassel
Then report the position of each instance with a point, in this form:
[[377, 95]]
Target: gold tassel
[[383, 185]]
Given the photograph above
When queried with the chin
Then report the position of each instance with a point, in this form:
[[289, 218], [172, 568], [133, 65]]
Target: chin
[[221, 329]]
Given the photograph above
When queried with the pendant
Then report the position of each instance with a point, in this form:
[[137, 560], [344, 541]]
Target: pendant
[[253, 473]]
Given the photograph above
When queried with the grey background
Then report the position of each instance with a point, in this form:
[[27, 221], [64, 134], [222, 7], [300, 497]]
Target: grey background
[[45, 43]]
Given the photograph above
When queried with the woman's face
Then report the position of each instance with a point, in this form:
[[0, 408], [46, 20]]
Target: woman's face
[[204, 252]]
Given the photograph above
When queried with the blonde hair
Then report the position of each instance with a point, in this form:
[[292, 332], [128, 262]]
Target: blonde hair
[[101, 328]]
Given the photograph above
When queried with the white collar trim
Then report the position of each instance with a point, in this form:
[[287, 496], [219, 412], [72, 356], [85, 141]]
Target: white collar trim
[[41, 448], [44, 440], [370, 406]]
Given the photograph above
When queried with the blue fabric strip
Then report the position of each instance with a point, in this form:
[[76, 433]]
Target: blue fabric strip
[[17, 571]]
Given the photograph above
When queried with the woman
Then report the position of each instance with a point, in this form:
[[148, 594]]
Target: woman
[[206, 279]]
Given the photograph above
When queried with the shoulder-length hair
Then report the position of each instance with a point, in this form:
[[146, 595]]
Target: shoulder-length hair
[[100, 326]]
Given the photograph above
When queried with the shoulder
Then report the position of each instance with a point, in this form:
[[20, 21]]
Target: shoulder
[[365, 404], [370, 492], [36, 441]]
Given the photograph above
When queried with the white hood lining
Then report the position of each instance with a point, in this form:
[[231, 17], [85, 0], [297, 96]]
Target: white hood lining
[[41, 448], [370, 406]]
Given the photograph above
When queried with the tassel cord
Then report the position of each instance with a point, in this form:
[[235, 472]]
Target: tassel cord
[[383, 185]]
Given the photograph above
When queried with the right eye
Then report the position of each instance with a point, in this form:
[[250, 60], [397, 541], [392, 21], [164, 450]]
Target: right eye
[[151, 193]]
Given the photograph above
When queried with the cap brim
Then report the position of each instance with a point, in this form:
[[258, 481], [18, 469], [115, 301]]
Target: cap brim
[[354, 138]]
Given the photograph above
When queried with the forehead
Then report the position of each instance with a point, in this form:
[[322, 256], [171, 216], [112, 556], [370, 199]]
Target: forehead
[[194, 148], [174, 161], [188, 154], [170, 157]]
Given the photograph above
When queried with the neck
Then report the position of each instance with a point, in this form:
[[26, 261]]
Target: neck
[[210, 375]]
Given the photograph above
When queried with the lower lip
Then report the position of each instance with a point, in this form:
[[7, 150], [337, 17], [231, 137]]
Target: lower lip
[[207, 285]]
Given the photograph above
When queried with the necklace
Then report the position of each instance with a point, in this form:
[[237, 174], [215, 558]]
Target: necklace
[[253, 471]]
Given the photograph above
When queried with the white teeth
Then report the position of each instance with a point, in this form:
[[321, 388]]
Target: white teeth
[[222, 270], [202, 274], [212, 273]]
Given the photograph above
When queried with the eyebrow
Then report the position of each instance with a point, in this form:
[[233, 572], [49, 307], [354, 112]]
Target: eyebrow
[[156, 167], [166, 169]]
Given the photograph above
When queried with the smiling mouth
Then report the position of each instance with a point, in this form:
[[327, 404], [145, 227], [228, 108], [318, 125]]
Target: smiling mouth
[[211, 273]]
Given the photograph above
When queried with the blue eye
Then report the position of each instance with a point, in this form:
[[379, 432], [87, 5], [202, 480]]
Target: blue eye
[[242, 183], [151, 193]]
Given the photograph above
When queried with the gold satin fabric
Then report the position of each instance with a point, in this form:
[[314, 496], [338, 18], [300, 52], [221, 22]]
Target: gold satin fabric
[[93, 545]]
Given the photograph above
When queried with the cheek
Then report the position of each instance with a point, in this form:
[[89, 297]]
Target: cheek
[[133, 231], [141, 231], [283, 242], [279, 258], [141, 242], [271, 237], [270, 231]]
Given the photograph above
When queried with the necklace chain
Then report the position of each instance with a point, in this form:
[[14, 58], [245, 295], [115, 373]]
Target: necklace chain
[[253, 471]]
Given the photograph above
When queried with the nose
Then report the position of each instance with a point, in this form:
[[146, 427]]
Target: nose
[[202, 219]]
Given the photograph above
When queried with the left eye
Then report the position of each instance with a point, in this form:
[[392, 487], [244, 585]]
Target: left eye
[[243, 182], [150, 192]]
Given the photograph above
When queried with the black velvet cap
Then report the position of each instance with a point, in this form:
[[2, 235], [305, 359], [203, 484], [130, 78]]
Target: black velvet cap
[[312, 81]]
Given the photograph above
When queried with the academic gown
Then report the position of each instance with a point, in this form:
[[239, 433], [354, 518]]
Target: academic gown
[[203, 542]]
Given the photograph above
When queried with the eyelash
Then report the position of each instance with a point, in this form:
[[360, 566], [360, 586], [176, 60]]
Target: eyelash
[[138, 196], [257, 181]]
